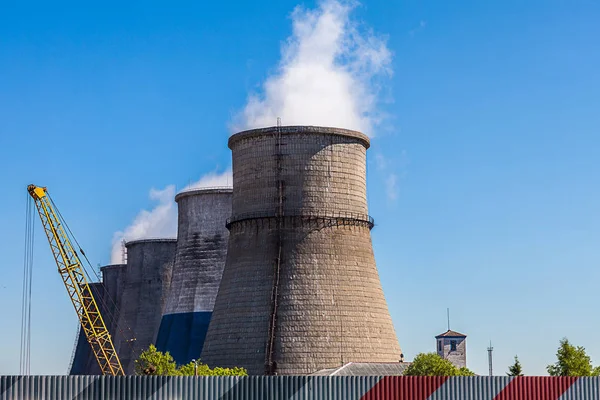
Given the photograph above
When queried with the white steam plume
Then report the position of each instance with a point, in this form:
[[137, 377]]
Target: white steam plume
[[161, 221], [212, 179], [328, 74]]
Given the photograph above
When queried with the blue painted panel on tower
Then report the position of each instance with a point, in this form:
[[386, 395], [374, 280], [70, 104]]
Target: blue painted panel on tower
[[183, 335], [83, 353]]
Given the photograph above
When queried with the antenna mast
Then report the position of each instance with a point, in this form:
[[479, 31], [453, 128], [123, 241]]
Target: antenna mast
[[448, 314], [490, 350]]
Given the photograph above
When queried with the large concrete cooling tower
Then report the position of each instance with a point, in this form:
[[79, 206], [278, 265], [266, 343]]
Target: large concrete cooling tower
[[300, 290], [147, 279], [201, 249]]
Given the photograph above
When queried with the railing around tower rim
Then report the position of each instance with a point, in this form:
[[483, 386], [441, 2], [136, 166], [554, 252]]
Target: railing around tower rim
[[339, 218]]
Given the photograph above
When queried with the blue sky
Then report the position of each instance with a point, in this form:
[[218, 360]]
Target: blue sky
[[491, 134]]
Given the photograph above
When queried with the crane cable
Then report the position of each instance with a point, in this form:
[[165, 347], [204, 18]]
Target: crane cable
[[105, 296], [25, 355]]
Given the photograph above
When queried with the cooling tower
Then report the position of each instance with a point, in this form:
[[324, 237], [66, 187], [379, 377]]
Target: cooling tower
[[200, 258], [300, 290], [147, 278], [84, 361], [113, 277]]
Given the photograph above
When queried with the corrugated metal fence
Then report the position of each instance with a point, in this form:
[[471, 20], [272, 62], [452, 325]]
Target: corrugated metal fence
[[297, 388]]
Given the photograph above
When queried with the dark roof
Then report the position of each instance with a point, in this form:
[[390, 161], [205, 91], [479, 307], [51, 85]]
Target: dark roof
[[365, 369], [450, 333]]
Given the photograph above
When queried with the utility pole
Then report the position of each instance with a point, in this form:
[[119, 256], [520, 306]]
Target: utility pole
[[195, 367], [490, 350]]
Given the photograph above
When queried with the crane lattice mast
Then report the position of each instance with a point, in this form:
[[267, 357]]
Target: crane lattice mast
[[72, 273]]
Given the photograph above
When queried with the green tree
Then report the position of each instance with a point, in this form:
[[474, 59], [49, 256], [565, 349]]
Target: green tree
[[515, 369], [235, 371], [154, 362], [431, 364], [205, 370], [572, 361], [464, 371]]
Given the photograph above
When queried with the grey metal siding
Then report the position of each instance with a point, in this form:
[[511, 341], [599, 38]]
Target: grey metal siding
[[296, 387]]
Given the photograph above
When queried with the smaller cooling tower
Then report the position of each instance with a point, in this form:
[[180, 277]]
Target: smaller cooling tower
[[201, 250], [147, 278], [84, 361], [113, 277]]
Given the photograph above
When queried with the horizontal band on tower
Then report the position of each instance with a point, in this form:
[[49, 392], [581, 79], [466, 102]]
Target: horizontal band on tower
[[300, 130], [322, 220], [203, 191], [151, 240]]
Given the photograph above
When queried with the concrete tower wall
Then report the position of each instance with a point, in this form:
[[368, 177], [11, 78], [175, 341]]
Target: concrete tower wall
[[147, 279], [113, 278], [323, 171], [201, 250], [300, 290]]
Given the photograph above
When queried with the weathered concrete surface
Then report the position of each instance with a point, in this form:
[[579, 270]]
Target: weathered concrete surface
[[147, 279], [201, 250], [329, 308], [113, 278], [323, 169]]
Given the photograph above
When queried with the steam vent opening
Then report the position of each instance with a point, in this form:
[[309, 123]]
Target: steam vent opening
[[300, 290]]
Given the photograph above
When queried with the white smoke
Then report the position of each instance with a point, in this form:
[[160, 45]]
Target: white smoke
[[212, 179], [328, 75], [161, 221]]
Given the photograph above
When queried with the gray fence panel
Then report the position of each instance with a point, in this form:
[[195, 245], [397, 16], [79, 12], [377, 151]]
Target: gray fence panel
[[295, 388]]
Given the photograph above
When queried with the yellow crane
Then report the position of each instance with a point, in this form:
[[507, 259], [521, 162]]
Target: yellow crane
[[72, 273]]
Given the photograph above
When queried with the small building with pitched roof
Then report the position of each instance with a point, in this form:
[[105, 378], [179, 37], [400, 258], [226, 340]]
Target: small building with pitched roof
[[452, 346]]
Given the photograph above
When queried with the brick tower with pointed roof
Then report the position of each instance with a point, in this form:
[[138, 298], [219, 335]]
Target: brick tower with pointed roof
[[452, 346]]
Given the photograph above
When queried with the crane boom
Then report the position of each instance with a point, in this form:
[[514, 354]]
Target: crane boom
[[72, 273]]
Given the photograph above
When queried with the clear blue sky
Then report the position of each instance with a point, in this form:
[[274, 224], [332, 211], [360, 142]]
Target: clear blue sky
[[493, 134]]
